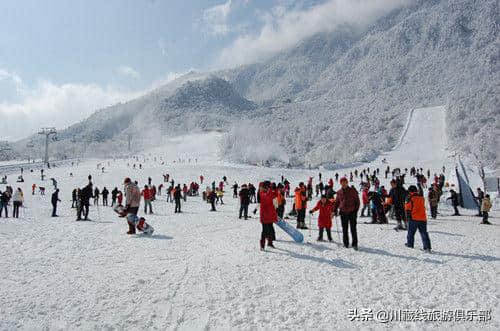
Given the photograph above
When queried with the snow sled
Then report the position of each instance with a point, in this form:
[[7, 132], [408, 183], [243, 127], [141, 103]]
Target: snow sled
[[139, 223], [296, 235]]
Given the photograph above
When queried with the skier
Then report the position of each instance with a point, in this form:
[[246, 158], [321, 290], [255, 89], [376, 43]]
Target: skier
[[105, 193], [417, 218], [325, 208], [268, 215], [55, 200], [455, 201], [146, 194], [347, 202], [244, 195]]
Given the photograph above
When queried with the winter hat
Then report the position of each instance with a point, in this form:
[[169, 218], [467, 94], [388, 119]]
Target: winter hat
[[343, 179], [412, 189]]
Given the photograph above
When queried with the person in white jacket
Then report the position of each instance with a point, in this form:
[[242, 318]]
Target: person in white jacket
[[17, 199]]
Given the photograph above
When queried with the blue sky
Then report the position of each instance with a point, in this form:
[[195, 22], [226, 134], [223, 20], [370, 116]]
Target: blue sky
[[60, 60]]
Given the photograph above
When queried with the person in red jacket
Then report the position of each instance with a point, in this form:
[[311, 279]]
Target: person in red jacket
[[325, 208], [146, 194], [268, 214], [366, 202], [347, 202]]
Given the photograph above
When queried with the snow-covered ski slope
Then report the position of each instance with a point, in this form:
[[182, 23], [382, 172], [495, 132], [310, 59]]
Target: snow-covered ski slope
[[204, 271], [423, 148]]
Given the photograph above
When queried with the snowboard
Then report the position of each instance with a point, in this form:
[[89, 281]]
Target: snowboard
[[140, 223], [296, 235]]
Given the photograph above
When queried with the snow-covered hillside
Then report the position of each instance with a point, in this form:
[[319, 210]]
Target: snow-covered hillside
[[203, 270], [337, 97]]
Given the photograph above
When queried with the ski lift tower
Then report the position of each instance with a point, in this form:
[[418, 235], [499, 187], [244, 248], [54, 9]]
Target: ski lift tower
[[47, 132]]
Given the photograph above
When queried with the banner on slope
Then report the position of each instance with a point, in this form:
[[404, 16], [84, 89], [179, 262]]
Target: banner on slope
[[296, 235], [467, 198]]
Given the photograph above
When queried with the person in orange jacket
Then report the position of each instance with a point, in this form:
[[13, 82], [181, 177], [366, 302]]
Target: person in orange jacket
[[301, 205], [325, 208], [417, 218]]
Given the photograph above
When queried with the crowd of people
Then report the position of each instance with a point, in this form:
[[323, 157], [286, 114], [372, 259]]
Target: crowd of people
[[406, 205]]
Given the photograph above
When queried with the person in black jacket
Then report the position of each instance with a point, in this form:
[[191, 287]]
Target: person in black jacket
[[84, 201], [455, 201], [55, 200], [114, 194], [244, 195], [177, 198], [73, 198], [105, 194], [4, 201], [398, 196]]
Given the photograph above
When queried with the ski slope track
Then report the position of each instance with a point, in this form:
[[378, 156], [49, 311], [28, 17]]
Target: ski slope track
[[203, 270]]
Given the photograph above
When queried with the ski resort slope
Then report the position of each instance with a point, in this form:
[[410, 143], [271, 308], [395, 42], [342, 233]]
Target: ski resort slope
[[203, 270], [423, 140]]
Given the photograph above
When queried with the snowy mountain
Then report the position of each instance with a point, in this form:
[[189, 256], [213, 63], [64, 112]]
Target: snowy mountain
[[337, 97]]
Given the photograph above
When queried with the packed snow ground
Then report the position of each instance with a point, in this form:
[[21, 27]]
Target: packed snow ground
[[204, 271]]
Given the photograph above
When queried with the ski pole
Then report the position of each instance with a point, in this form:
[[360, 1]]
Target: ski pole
[[337, 223]]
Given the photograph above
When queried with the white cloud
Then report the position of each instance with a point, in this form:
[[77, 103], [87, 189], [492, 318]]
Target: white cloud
[[284, 28], [10, 76], [215, 19], [128, 71], [49, 104]]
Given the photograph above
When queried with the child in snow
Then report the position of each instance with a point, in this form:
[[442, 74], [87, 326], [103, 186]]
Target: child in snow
[[485, 208], [325, 208], [417, 218]]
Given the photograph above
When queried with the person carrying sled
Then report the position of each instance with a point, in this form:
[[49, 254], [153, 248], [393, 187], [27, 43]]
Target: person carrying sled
[[325, 207], [347, 204], [417, 218], [268, 215]]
